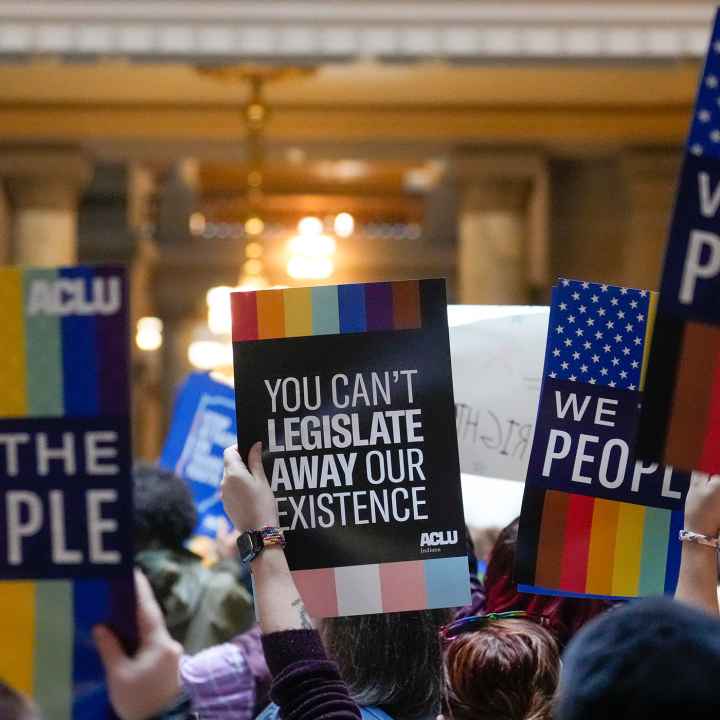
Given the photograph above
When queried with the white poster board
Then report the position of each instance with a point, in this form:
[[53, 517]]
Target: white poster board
[[497, 359]]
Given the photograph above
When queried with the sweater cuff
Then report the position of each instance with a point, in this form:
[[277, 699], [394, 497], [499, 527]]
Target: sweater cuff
[[289, 646]]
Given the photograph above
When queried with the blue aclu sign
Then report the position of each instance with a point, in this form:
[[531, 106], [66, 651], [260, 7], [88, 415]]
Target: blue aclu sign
[[203, 425]]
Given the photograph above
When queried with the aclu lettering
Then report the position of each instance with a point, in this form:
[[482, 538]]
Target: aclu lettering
[[431, 541], [75, 296]]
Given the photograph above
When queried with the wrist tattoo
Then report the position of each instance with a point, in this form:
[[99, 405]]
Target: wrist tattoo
[[302, 612]]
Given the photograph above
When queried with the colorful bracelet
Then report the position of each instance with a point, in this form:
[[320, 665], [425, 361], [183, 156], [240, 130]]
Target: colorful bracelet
[[693, 537], [272, 536]]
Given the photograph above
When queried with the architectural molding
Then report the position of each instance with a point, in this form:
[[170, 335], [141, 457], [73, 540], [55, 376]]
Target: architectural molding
[[314, 31]]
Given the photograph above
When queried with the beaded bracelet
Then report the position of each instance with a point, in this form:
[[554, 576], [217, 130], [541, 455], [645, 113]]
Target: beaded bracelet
[[693, 537]]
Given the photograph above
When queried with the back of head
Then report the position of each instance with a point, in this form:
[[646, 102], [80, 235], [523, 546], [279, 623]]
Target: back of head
[[14, 706], [508, 670], [651, 658], [393, 661], [165, 514], [565, 615]]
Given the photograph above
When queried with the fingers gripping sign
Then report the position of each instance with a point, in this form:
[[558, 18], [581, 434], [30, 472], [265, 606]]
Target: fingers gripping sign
[[702, 506], [246, 493]]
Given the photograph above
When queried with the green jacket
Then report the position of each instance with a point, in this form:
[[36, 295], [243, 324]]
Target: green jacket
[[203, 606]]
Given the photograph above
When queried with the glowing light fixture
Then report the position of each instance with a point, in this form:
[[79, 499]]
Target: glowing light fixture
[[344, 224], [253, 267], [254, 225], [218, 303], [253, 250], [197, 223], [209, 354], [310, 226], [305, 268], [311, 251], [149, 333]]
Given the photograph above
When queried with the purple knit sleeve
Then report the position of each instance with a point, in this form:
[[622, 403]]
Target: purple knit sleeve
[[306, 685]]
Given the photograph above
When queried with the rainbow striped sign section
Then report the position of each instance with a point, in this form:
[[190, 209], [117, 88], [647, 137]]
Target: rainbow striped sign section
[[384, 587], [60, 365], [593, 546], [325, 310]]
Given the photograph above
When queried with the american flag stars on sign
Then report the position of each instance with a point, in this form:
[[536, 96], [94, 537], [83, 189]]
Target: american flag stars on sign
[[596, 334], [704, 138]]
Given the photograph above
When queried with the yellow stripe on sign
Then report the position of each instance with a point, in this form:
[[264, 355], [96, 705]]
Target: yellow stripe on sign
[[649, 327], [628, 550], [298, 312], [17, 630], [13, 384]]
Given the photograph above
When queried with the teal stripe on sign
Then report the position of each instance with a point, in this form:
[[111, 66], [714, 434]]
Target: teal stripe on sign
[[654, 551], [325, 313], [44, 351], [447, 581], [54, 648]]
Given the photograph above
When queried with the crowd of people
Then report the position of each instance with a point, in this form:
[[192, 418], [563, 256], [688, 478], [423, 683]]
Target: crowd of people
[[506, 656]]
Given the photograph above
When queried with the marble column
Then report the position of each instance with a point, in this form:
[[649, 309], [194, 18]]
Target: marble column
[[498, 232], [651, 178], [44, 185]]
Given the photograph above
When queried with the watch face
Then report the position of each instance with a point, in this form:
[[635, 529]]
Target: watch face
[[247, 547]]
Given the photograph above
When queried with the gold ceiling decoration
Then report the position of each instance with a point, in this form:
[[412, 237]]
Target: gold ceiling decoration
[[255, 114]]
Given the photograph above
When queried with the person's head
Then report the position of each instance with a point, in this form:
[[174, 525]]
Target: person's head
[[652, 658], [565, 615], [165, 514], [14, 706], [393, 661], [506, 670]]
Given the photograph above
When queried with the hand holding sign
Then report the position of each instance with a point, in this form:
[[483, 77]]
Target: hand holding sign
[[702, 506], [697, 584], [246, 493], [147, 683]]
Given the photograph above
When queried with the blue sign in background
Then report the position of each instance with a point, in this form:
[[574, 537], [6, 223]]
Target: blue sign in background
[[203, 425]]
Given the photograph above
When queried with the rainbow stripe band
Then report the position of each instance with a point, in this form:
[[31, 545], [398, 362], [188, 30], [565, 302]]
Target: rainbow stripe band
[[325, 310], [385, 587], [606, 548], [57, 364]]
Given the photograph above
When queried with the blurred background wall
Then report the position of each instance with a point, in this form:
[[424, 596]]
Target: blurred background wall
[[282, 142]]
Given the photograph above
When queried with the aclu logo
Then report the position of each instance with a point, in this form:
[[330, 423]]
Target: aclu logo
[[75, 296], [431, 542]]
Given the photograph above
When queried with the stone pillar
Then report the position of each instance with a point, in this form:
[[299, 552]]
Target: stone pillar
[[652, 178], [498, 236], [44, 185]]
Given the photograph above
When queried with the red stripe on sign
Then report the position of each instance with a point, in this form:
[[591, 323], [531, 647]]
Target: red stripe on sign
[[578, 528], [243, 306], [710, 456]]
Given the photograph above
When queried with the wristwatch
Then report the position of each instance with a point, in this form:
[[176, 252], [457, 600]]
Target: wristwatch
[[252, 542]]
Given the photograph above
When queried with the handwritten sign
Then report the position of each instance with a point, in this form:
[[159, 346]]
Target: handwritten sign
[[497, 364]]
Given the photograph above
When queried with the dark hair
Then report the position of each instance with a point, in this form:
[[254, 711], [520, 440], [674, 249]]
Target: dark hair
[[14, 706], [651, 658], [565, 615], [165, 514], [507, 670], [393, 661]]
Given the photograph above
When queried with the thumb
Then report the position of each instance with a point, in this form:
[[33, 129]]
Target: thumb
[[255, 462], [108, 646]]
